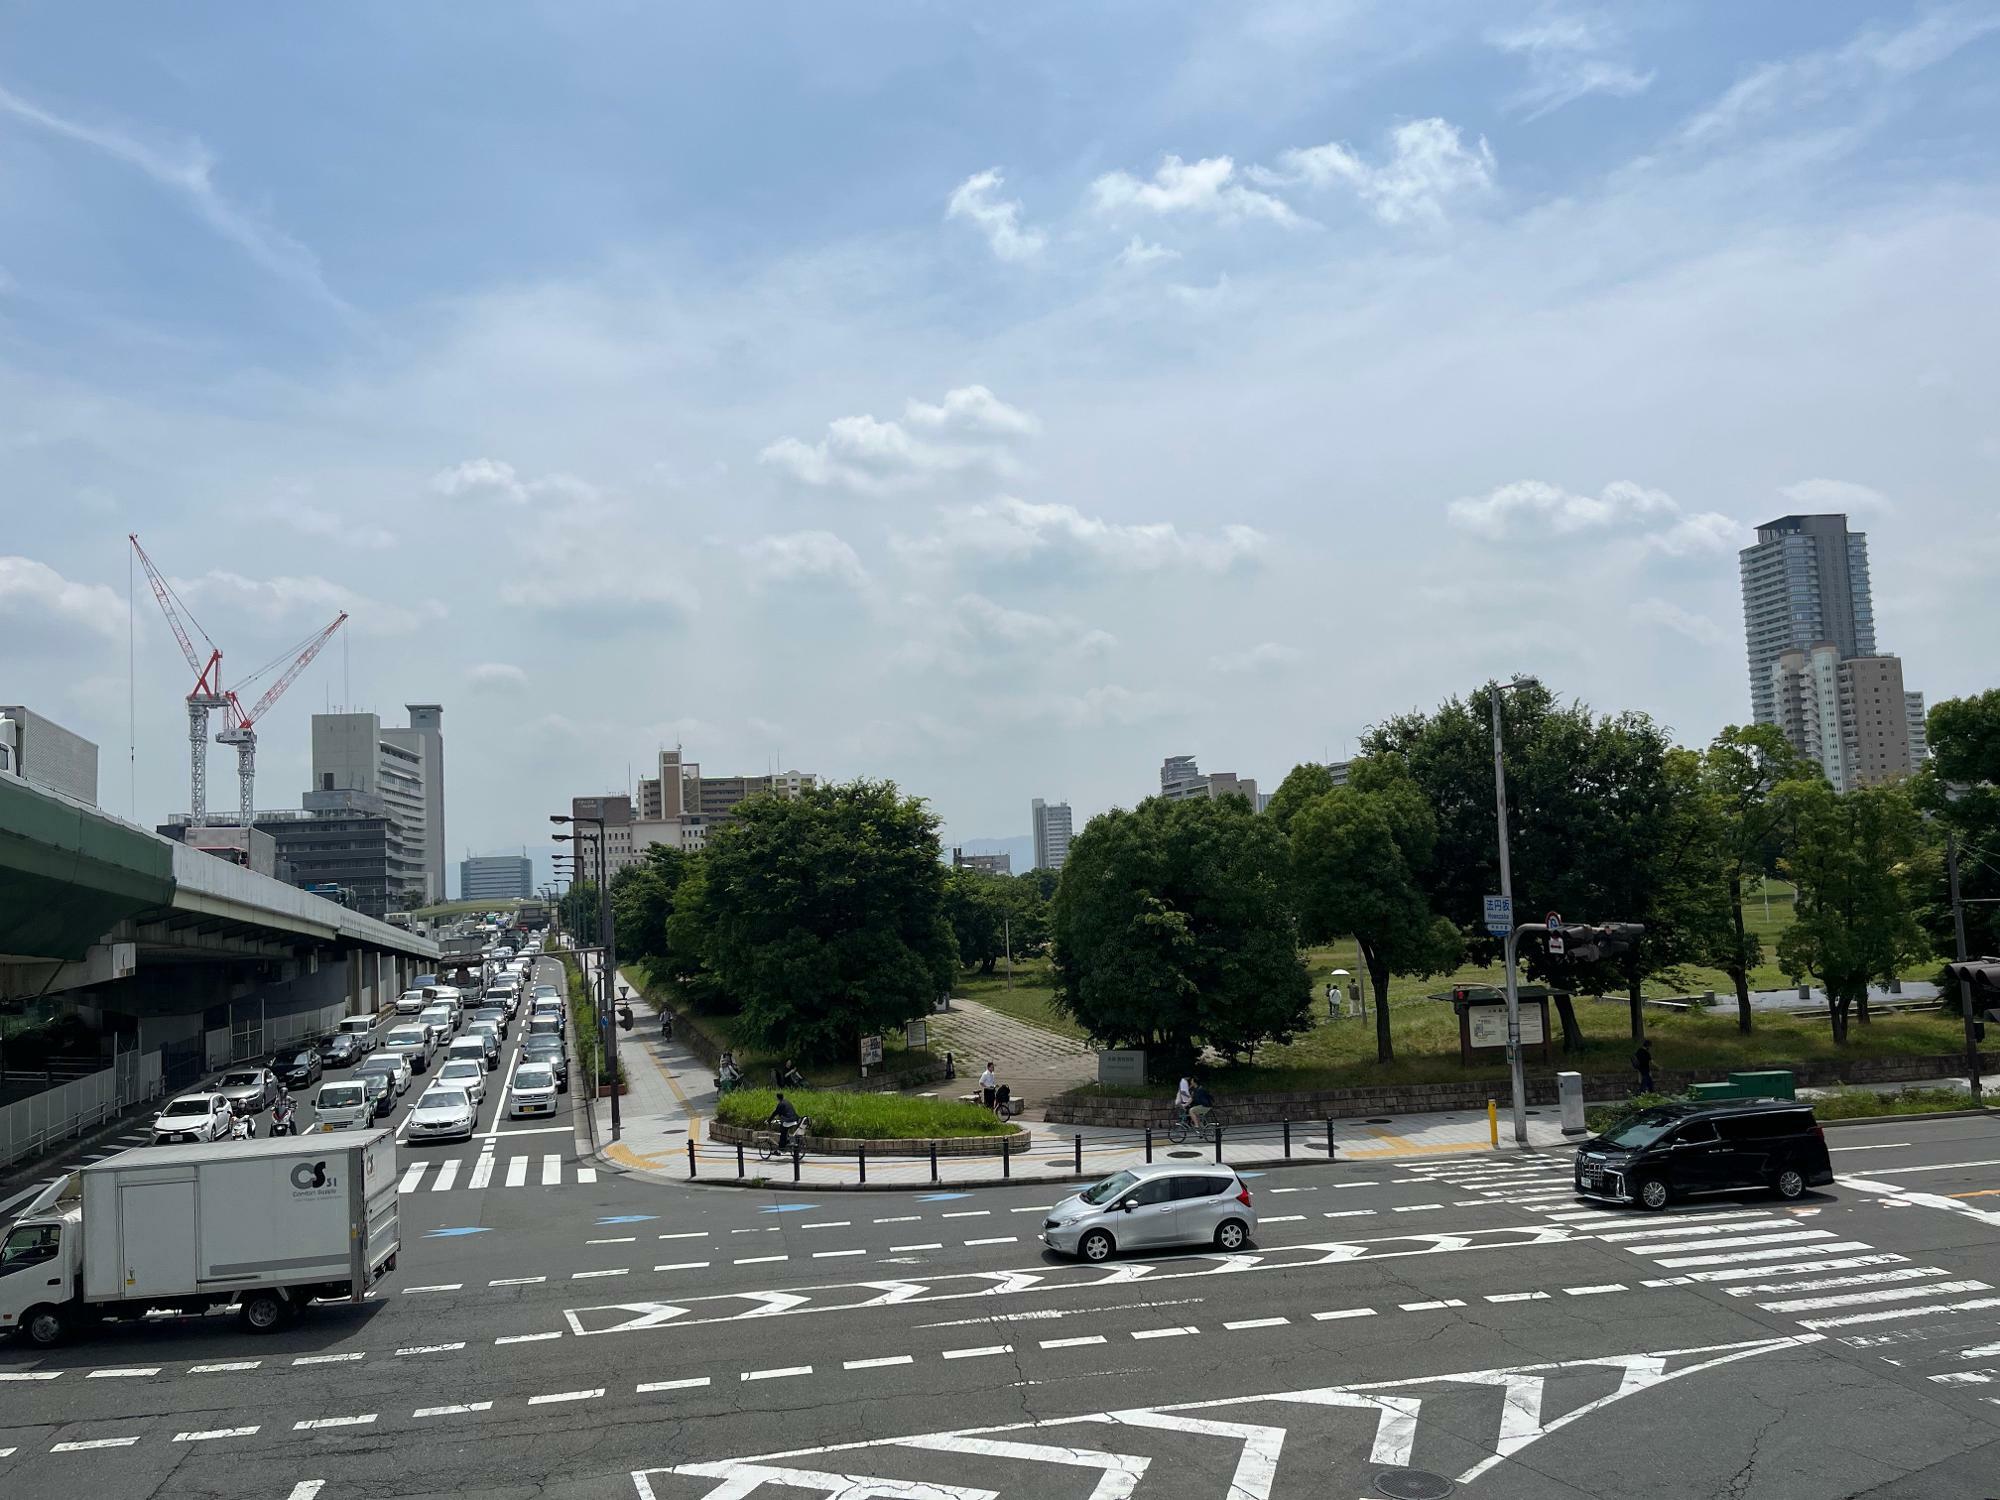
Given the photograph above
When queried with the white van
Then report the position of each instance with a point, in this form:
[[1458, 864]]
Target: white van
[[362, 1029], [414, 1043], [411, 1001], [342, 1106]]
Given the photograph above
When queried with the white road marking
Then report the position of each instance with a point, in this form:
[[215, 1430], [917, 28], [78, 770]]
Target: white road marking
[[1977, 1305], [687, 1234], [30, 1375], [586, 1275], [779, 1374], [122, 1374], [1856, 1299], [214, 1433], [684, 1265], [517, 1171], [899, 1249], [428, 1349], [1712, 1224], [447, 1175], [980, 1353], [411, 1177], [526, 1338], [327, 1359], [1683, 1262], [558, 1397], [1829, 1283], [905, 1219], [759, 1260], [1415, 1208], [834, 1254], [1283, 1218], [829, 1224], [1032, 1208], [118, 1442], [313, 1423], [305, 1489], [1075, 1343], [1431, 1306], [1348, 1213], [1669, 1281], [1344, 1312], [1789, 1236], [482, 1170], [516, 1280], [452, 1411], [1249, 1323], [411, 1291], [1593, 1291], [234, 1364], [969, 1213], [1800, 1268], [1163, 1333], [877, 1364], [1007, 1239], [551, 1171], [1517, 1297], [690, 1383], [1876, 1146], [1938, 1166], [624, 1239], [585, 1176]]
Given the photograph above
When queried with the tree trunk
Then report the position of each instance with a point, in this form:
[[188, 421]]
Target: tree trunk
[[1378, 973], [1632, 999], [1566, 1012], [1836, 1008], [1861, 1007], [1738, 971]]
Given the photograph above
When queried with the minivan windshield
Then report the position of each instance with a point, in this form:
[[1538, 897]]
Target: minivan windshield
[[1641, 1130], [342, 1095], [240, 1080], [1109, 1189]]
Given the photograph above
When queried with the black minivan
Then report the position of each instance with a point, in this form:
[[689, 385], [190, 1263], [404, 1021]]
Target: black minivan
[[1662, 1153]]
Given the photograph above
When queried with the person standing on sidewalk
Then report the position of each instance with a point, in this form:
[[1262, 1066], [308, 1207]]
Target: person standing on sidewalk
[[1643, 1061], [989, 1085]]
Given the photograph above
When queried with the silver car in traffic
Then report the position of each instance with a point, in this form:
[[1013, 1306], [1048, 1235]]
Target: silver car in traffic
[[1146, 1208]]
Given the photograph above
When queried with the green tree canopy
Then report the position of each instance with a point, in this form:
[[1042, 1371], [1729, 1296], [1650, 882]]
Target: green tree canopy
[[1850, 857], [1173, 929], [1361, 854], [821, 917], [1960, 790], [974, 905], [1304, 783], [642, 899]]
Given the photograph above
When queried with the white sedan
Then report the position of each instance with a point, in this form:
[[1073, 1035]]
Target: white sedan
[[194, 1117], [442, 1113], [468, 1074]]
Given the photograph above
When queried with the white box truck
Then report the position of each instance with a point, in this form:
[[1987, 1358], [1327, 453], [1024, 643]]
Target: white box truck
[[263, 1225]]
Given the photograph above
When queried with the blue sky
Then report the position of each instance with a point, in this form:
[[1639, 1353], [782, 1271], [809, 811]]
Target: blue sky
[[998, 399]]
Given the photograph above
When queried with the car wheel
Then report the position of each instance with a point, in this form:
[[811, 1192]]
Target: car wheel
[[1096, 1245], [1231, 1234], [263, 1312], [1789, 1183], [1653, 1193], [43, 1327]]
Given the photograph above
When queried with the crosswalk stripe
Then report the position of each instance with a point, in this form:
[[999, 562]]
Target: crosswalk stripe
[[1779, 1253], [551, 1171], [1790, 1236], [447, 1175], [1829, 1283], [1709, 1224], [517, 1171], [586, 1175], [1976, 1305], [482, 1171], [1855, 1299], [412, 1177], [1801, 1267]]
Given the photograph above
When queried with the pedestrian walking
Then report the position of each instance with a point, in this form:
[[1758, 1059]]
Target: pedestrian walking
[[950, 1067], [1643, 1061], [989, 1084]]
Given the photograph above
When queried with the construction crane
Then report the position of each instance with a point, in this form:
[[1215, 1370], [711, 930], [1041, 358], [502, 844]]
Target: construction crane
[[207, 693], [240, 728]]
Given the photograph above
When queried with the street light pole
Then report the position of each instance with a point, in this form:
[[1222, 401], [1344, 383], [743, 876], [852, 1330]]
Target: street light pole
[[1516, 1081], [1965, 1005], [606, 958]]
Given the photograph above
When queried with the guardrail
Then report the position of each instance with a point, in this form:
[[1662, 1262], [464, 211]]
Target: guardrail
[[29, 1126]]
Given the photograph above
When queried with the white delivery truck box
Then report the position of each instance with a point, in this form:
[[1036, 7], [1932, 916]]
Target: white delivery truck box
[[264, 1225]]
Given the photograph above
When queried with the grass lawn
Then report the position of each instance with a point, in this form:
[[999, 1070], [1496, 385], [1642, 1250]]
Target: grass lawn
[[868, 1117]]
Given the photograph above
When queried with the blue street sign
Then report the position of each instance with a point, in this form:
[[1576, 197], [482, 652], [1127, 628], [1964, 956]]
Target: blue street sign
[[1499, 915]]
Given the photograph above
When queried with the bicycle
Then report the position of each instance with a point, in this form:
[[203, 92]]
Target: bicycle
[[1184, 1122], [769, 1145]]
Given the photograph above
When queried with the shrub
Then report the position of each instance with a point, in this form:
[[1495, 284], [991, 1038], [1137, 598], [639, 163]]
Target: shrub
[[869, 1117], [1862, 1104], [1610, 1116]]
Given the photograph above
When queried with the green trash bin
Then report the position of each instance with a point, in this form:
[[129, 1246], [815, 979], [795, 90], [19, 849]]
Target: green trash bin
[[1776, 1083]]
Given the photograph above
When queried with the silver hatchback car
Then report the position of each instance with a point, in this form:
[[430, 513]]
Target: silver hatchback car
[[1145, 1208]]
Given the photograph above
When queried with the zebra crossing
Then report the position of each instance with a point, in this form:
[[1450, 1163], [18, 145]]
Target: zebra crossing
[[1824, 1282], [490, 1170]]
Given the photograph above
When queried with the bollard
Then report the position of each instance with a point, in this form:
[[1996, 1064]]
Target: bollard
[[1079, 1153], [739, 1157], [1288, 1137], [690, 1158], [1218, 1145], [1006, 1156], [1149, 1145], [1493, 1123], [797, 1158], [861, 1158], [934, 1176], [1329, 1137]]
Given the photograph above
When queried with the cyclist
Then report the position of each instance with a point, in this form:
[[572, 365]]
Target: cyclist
[[786, 1119], [1183, 1097], [1200, 1102], [989, 1085]]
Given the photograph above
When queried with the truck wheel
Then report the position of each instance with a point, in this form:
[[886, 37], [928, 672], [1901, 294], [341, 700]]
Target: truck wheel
[[43, 1327], [263, 1312]]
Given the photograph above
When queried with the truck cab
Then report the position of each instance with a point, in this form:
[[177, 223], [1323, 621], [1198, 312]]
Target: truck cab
[[39, 1263]]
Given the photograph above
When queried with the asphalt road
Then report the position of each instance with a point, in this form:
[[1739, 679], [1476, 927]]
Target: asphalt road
[[1462, 1317]]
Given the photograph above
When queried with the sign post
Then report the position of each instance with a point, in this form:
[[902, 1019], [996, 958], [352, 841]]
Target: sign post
[[1554, 923], [1499, 915], [871, 1053]]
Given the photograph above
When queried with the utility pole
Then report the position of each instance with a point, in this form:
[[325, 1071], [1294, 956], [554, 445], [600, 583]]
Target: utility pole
[[1007, 935], [1964, 984], [1515, 1079]]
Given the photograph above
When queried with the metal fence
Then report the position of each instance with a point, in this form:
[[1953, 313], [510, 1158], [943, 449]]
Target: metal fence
[[29, 1126]]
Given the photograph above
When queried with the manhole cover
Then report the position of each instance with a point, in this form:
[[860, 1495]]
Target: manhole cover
[[1412, 1484], [1185, 1155], [1314, 1145], [1378, 1122]]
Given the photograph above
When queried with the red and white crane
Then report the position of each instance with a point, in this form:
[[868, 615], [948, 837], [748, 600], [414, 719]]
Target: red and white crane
[[240, 727], [207, 692]]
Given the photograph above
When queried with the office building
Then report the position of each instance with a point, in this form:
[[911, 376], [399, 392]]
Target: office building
[[425, 737], [495, 877], [1850, 714], [1805, 583], [38, 750], [985, 864], [1339, 770], [615, 813], [679, 806], [1052, 827], [1913, 716], [343, 844], [355, 753], [1181, 778]]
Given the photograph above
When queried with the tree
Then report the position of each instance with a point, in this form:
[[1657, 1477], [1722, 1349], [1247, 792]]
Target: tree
[[1849, 857], [1740, 771], [1360, 854], [1959, 789], [1598, 828], [821, 917], [974, 906], [642, 899], [579, 912], [1304, 783], [1173, 929]]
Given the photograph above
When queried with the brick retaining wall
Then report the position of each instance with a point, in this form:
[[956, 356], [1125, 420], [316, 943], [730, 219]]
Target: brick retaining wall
[[1472, 1094], [1016, 1144]]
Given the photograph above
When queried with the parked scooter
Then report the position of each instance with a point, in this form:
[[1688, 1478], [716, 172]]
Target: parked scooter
[[284, 1116]]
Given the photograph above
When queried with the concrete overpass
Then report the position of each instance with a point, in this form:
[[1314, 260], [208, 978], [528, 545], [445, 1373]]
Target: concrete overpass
[[171, 951]]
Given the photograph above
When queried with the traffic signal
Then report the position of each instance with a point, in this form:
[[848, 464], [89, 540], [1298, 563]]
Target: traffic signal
[[1589, 945], [1981, 973]]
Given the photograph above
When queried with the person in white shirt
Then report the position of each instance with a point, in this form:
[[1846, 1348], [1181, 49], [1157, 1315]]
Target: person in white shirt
[[989, 1083], [1183, 1096]]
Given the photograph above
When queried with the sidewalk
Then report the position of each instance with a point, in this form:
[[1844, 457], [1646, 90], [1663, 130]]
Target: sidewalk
[[670, 1093]]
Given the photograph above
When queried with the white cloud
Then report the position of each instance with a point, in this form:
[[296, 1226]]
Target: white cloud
[[1873, 57], [32, 592], [325, 526], [1139, 253], [496, 677], [1536, 508], [188, 174], [481, 477], [1836, 494], [1567, 59], [1265, 656], [1670, 616], [307, 599], [1101, 707], [976, 200], [797, 555], [1428, 165], [1705, 531], [1207, 188], [969, 430], [1014, 531]]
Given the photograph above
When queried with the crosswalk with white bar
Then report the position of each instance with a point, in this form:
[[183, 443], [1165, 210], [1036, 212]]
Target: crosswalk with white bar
[[1826, 1283], [488, 1170]]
